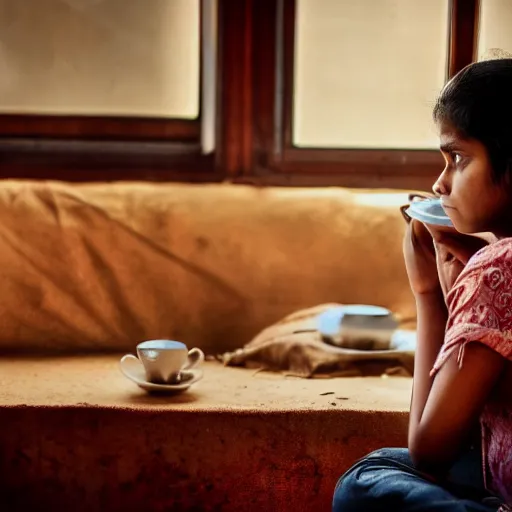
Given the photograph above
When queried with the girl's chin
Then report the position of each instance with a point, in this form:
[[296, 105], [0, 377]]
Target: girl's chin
[[461, 227], [465, 228], [458, 223]]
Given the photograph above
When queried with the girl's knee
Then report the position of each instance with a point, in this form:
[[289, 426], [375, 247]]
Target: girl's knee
[[353, 490], [391, 454]]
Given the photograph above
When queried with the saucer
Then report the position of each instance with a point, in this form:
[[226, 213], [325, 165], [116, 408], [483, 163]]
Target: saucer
[[132, 368], [429, 211]]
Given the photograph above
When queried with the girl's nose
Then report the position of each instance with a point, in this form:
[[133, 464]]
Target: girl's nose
[[441, 186]]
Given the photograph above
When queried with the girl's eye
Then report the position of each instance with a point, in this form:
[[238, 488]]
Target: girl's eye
[[457, 159]]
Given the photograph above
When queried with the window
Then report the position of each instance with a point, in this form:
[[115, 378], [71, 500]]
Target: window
[[354, 86], [287, 92], [105, 84]]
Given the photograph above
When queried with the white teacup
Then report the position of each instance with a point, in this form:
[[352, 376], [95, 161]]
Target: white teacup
[[163, 360]]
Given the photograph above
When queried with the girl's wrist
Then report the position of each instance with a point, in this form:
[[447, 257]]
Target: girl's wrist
[[430, 296], [431, 304]]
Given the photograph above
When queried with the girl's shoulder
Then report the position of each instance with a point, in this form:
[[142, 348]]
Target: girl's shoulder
[[489, 269], [495, 254], [482, 294], [480, 304]]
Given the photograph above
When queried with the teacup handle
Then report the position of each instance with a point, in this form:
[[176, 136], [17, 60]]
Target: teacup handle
[[129, 357], [195, 358]]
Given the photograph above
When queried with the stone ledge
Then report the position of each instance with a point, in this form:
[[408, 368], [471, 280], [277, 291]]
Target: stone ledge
[[97, 381], [76, 435]]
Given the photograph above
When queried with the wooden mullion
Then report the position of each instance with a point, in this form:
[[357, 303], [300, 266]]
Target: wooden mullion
[[463, 34], [266, 96], [234, 133], [288, 33]]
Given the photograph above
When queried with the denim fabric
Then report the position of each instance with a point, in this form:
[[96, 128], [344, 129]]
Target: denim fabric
[[386, 480]]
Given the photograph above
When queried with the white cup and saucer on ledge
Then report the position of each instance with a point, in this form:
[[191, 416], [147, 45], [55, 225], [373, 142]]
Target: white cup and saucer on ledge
[[163, 366]]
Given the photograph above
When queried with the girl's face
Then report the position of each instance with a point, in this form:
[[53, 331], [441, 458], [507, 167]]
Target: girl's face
[[472, 200]]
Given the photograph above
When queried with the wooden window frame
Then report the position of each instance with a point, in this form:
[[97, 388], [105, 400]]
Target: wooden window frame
[[253, 141], [115, 128]]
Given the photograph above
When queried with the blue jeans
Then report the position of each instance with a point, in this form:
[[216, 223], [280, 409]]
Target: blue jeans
[[387, 480]]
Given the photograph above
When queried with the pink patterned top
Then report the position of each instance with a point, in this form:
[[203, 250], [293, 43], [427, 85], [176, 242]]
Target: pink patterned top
[[480, 309]]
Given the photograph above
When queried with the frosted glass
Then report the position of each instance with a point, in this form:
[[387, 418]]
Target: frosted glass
[[100, 57], [367, 72], [494, 30]]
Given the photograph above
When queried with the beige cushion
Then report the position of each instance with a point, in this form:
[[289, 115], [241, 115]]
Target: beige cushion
[[105, 266]]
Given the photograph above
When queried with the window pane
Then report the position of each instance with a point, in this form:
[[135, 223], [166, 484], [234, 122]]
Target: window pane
[[495, 23], [367, 73], [100, 57]]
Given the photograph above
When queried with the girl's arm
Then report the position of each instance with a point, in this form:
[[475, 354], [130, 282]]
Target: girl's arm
[[445, 409], [442, 425], [431, 317]]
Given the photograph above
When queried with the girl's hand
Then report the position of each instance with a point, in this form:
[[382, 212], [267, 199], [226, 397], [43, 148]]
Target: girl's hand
[[453, 251], [420, 259]]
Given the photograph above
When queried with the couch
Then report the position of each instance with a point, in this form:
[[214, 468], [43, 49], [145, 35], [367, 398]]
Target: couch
[[89, 270]]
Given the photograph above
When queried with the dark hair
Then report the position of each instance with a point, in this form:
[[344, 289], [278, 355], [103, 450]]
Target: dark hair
[[477, 102]]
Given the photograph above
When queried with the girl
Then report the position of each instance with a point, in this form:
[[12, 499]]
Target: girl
[[460, 428]]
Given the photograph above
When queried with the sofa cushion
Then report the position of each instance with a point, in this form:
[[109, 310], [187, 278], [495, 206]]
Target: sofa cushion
[[103, 266], [76, 435]]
